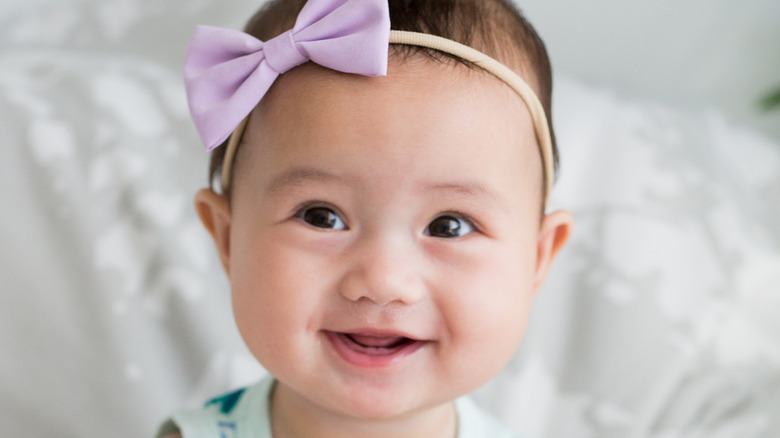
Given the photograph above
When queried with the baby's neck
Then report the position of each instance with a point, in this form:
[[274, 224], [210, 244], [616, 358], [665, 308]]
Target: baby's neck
[[293, 416]]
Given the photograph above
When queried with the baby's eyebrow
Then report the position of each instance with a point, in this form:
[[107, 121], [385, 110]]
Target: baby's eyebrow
[[305, 174], [299, 175], [469, 189]]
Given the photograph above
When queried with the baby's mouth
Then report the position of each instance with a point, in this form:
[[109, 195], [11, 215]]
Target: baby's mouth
[[375, 344], [373, 349]]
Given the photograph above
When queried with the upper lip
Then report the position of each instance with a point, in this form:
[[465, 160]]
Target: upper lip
[[379, 333]]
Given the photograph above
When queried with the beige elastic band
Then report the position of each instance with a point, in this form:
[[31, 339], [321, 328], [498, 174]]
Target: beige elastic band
[[489, 64]]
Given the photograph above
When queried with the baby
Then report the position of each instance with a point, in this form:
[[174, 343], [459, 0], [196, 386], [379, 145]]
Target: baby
[[382, 210]]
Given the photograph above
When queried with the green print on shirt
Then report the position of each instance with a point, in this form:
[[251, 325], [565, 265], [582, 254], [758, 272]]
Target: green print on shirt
[[227, 402]]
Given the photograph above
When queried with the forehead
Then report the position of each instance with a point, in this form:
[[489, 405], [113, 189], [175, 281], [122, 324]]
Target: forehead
[[423, 118]]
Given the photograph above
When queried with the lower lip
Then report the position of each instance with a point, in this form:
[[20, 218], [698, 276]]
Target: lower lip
[[377, 358]]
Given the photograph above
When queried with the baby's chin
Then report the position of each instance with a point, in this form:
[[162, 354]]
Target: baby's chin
[[390, 410], [371, 403]]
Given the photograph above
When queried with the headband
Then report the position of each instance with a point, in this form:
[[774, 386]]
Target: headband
[[227, 72]]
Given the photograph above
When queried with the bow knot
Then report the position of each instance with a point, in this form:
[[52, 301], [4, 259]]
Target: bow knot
[[227, 72], [282, 54]]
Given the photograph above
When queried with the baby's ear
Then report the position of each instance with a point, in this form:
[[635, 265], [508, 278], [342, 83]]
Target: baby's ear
[[214, 212], [553, 233]]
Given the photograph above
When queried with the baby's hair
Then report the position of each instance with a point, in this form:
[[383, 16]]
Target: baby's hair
[[494, 27]]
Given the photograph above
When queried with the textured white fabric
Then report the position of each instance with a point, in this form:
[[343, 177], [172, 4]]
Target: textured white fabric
[[659, 319]]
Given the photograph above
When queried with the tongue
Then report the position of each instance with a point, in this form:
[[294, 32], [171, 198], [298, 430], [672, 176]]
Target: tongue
[[376, 341]]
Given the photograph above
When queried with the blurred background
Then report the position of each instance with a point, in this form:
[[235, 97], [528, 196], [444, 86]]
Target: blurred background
[[696, 53], [659, 319], [691, 54]]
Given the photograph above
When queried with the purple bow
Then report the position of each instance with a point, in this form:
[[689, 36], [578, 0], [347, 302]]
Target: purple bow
[[227, 72]]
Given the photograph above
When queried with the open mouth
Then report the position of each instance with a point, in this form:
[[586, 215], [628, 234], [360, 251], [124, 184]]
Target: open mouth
[[373, 349], [374, 345]]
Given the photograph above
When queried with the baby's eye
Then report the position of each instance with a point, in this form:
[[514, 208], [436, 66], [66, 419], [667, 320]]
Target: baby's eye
[[448, 226], [322, 217]]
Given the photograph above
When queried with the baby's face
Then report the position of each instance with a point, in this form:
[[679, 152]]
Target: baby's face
[[384, 242]]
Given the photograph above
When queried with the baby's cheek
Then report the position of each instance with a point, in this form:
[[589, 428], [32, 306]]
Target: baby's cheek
[[265, 326], [488, 310], [278, 288], [490, 283], [260, 308], [488, 335], [495, 325]]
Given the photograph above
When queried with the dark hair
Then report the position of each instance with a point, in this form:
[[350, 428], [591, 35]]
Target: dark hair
[[494, 27]]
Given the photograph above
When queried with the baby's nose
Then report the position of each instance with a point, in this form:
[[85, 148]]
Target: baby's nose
[[384, 271]]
